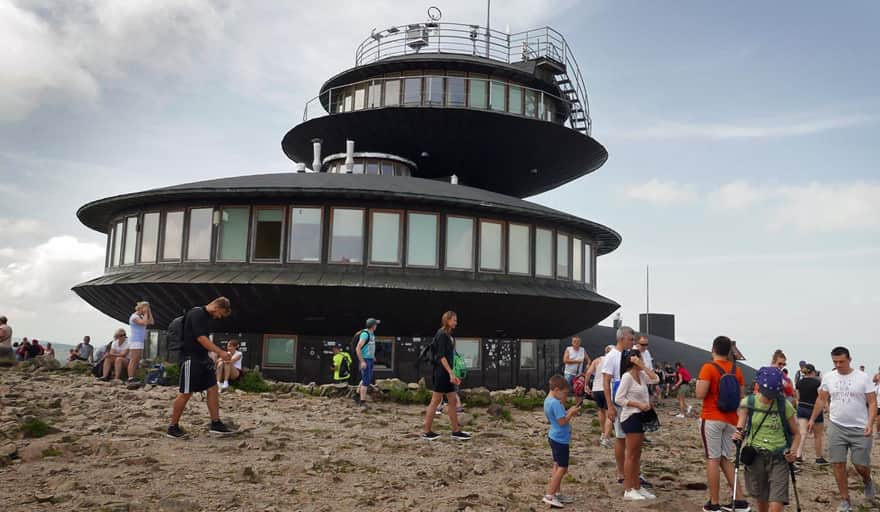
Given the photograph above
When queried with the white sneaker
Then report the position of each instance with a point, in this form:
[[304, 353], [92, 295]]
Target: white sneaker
[[224, 385], [605, 443], [552, 501], [680, 415], [690, 410], [633, 495], [646, 493]]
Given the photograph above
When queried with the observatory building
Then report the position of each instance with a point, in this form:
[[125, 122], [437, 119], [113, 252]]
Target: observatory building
[[405, 201]]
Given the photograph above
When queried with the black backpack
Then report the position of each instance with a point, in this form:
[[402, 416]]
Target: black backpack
[[345, 366], [175, 337], [428, 354]]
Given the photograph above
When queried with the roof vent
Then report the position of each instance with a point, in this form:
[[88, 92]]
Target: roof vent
[[349, 156], [299, 168], [453, 179], [316, 149]]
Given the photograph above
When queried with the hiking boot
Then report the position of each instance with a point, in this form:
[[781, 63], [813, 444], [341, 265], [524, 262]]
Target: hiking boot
[[737, 506], [844, 506], [820, 461], [565, 500], [430, 436], [870, 490], [220, 428], [461, 435], [645, 483], [104, 379], [605, 443], [357, 399], [175, 432], [552, 501], [711, 507], [633, 495], [646, 493]]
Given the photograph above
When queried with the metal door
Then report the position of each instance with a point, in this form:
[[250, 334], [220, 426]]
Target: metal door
[[499, 368], [309, 368]]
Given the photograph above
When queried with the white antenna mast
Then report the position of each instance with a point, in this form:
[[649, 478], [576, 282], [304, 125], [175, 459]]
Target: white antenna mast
[[647, 299]]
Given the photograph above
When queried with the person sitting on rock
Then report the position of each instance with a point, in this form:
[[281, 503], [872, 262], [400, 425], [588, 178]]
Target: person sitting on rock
[[230, 371], [117, 357]]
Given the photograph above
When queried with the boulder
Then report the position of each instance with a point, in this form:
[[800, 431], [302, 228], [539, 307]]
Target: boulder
[[476, 396], [388, 385], [334, 390], [412, 386], [8, 450], [79, 366]]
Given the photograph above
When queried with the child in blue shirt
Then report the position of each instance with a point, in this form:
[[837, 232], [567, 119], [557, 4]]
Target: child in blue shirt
[[559, 437]]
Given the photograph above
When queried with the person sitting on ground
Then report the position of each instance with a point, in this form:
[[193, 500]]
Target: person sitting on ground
[[34, 350], [230, 371], [808, 392], [71, 355], [595, 370], [117, 358], [682, 387], [559, 437], [49, 352], [100, 353], [341, 365], [85, 351], [760, 424], [5, 339], [633, 397]]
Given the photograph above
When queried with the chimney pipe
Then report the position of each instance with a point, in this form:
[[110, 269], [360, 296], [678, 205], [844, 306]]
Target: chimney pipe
[[453, 179], [349, 156], [300, 167], [316, 149]]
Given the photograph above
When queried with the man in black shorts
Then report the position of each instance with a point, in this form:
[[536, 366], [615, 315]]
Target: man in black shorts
[[197, 369]]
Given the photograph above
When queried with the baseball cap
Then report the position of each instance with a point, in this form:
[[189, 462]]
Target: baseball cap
[[810, 367], [372, 321], [769, 381], [802, 363]]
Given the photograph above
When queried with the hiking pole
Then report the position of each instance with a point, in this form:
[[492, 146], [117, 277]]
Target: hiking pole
[[797, 499], [736, 470]]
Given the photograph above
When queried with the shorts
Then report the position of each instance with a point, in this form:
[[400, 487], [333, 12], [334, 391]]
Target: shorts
[[618, 428], [767, 478], [683, 391], [442, 383], [6, 353], [135, 345], [853, 440], [599, 397], [717, 439], [804, 411], [570, 379], [367, 373], [633, 425], [560, 453], [237, 377], [196, 375]]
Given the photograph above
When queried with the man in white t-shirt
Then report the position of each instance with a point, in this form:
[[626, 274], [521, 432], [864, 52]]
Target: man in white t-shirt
[[642, 345], [575, 359], [853, 410]]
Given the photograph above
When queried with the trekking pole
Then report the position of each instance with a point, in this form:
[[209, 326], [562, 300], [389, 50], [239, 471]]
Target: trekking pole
[[797, 499], [736, 470]]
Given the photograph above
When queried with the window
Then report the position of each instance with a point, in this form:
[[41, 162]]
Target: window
[[233, 234], [469, 349], [588, 264], [577, 260], [518, 251], [357, 168], [305, 235], [108, 256], [478, 91], [117, 249], [543, 252], [279, 351], [373, 167], [149, 238], [531, 103], [434, 90], [346, 99], [267, 234], [455, 91], [374, 94], [491, 251], [459, 243], [198, 244], [360, 96], [131, 224], [384, 356], [173, 238], [515, 103], [496, 95], [562, 264], [527, 354], [347, 236], [387, 168], [421, 240], [385, 238], [412, 91], [392, 92]]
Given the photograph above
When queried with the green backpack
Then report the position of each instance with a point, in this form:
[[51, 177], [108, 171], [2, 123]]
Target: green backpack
[[459, 366]]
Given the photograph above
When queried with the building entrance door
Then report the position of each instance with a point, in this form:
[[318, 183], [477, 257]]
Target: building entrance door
[[499, 368]]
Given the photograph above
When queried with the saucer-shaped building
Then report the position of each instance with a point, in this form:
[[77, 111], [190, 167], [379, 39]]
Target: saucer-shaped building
[[417, 158]]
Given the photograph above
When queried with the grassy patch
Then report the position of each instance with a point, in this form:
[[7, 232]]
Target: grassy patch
[[527, 404], [252, 382], [34, 428], [505, 414], [405, 396], [571, 479], [477, 401], [51, 452], [595, 423]]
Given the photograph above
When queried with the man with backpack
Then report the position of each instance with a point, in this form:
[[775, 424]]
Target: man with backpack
[[341, 365], [366, 353], [196, 368], [720, 387], [767, 425]]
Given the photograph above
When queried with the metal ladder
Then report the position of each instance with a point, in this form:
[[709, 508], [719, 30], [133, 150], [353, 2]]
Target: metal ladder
[[577, 117]]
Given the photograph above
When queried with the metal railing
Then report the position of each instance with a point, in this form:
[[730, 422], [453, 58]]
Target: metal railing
[[477, 41]]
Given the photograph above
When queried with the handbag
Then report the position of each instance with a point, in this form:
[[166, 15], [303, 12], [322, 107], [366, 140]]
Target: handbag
[[650, 420]]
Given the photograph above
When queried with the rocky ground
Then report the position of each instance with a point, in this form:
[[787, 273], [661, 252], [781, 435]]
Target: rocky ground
[[106, 450]]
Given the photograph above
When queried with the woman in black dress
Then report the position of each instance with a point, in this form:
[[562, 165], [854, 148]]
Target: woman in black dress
[[444, 379]]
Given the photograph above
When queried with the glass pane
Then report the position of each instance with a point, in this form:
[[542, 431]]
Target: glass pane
[[346, 100], [267, 239], [358, 168], [347, 236], [588, 264], [577, 260], [387, 168], [421, 240], [173, 236], [234, 234], [543, 252], [305, 234], [199, 240], [514, 104], [490, 246], [375, 95], [455, 91], [527, 354], [496, 95], [108, 258], [130, 240], [518, 253], [149, 237], [562, 264], [117, 249], [412, 91], [373, 167], [280, 351], [392, 93], [434, 91], [469, 349], [531, 103], [384, 356], [360, 95], [385, 238], [459, 243], [477, 94]]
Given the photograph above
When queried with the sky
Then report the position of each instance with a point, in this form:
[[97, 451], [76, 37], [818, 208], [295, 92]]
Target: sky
[[743, 142]]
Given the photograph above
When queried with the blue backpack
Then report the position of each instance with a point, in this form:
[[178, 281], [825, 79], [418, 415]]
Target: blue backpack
[[728, 389]]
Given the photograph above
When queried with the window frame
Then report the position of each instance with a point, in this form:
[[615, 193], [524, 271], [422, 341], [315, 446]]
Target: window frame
[[446, 243], [522, 96], [479, 342], [534, 343], [412, 75], [123, 261], [502, 238], [393, 341], [464, 78], [437, 243], [363, 235], [140, 242], [111, 241], [486, 80], [427, 81], [589, 277], [504, 85], [187, 222], [400, 238], [220, 234], [552, 274], [265, 352], [558, 235], [162, 235], [580, 243], [119, 225], [290, 224], [252, 238], [529, 251]]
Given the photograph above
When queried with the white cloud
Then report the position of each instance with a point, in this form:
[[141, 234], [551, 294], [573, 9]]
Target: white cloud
[[662, 192], [737, 195], [18, 227]]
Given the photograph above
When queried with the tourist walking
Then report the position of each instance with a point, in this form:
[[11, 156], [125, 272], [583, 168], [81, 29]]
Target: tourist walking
[[597, 389], [5, 339], [808, 392], [444, 379], [137, 323], [767, 425], [718, 420], [116, 357], [634, 399], [682, 387], [559, 437], [798, 375], [575, 359], [366, 353], [196, 368], [852, 405], [671, 377], [230, 371]]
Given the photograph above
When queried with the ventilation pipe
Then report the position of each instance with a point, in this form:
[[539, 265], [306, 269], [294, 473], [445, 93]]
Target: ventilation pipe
[[316, 150], [453, 179], [349, 156], [299, 168]]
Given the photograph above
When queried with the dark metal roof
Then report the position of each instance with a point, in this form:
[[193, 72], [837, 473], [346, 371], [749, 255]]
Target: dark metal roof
[[328, 187]]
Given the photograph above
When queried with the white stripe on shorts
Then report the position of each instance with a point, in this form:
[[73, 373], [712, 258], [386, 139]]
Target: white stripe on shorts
[[186, 375]]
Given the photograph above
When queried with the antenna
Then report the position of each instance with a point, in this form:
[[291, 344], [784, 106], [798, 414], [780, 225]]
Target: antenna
[[647, 299], [488, 11]]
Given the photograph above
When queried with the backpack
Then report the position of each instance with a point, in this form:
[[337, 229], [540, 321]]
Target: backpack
[[780, 410], [459, 366], [156, 375], [345, 366], [728, 389], [175, 337], [428, 354], [579, 385]]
